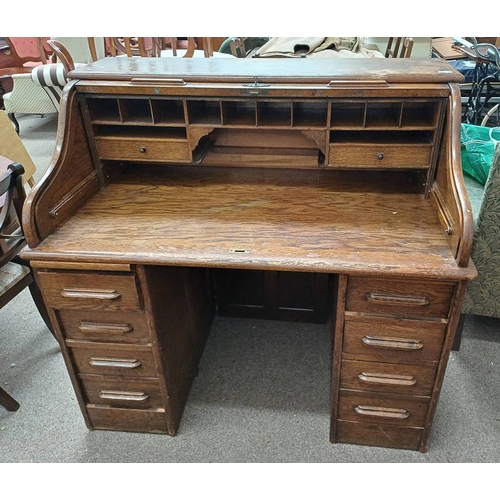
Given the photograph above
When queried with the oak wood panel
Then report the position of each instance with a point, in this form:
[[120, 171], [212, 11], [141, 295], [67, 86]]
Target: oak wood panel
[[449, 189], [384, 409], [214, 89], [274, 70], [387, 436], [56, 199], [112, 359], [387, 377], [181, 329], [407, 298], [96, 291], [367, 156], [337, 339], [143, 149], [122, 392], [121, 419], [284, 220], [429, 334], [104, 326]]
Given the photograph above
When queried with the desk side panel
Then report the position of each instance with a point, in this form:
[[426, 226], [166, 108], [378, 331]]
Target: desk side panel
[[181, 311], [448, 191], [71, 177]]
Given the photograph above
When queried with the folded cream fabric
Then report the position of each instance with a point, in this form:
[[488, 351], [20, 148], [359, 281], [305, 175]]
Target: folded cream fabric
[[289, 46], [316, 47]]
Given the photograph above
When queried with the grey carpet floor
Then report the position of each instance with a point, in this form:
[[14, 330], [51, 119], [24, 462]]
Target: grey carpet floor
[[261, 394]]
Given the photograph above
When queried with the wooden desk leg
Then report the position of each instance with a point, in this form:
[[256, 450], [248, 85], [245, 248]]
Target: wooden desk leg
[[7, 401]]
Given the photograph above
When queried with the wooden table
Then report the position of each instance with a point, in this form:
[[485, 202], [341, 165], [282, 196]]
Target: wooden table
[[445, 47], [325, 191]]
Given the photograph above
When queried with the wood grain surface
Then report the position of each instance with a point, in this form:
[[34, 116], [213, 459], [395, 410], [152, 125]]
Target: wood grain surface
[[321, 221]]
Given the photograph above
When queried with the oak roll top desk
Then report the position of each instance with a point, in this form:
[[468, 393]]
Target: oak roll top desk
[[322, 191]]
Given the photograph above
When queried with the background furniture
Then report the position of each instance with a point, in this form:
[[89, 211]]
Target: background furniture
[[40, 91], [14, 267], [12, 147], [27, 96], [399, 47], [262, 180], [483, 294], [161, 46], [18, 57], [14, 277], [242, 46]]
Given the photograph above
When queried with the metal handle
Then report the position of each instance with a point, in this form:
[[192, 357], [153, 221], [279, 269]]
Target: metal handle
[[115, 363], [392, 342], [397, 300], [89, 327], [85, 293], [386, 379], [380, 156], [142, 149], [378, 411], [123, 395]]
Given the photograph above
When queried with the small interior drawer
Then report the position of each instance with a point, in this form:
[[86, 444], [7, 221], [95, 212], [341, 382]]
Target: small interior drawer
[[408, 298], [143, 149], [121, 392], [112, 359], [380, 156], [392, 340], [387, 377], [104, 326], [97, 291], [361, 406]]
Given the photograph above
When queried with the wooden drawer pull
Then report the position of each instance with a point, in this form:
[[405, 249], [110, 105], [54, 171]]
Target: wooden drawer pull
[[392, 342], [397, 300], [85, 293], [123, 395], [386, 379], [115, 363], [89, 327], [378, 411]]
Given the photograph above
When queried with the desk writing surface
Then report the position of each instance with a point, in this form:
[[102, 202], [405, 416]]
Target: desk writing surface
[[261, 219]]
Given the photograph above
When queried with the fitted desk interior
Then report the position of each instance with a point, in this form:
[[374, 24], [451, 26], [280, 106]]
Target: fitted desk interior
[[285, 189]]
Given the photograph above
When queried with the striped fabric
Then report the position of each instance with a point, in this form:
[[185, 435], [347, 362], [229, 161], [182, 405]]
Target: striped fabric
[[10, 274], [52, 77]]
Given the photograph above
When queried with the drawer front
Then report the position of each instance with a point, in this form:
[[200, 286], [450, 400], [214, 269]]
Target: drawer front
[[143, 149], [361, 406], [96, 291], [387, 436], [104, 326], [393, 341], [122, 392], [110, 359], [387, 377], [380, 156], [408, 298], [120, 419]]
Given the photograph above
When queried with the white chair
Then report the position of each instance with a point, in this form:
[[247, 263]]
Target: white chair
[[39, 92]]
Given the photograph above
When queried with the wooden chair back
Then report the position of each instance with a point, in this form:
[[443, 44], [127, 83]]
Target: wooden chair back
[[13, 276], [12, 196], [399, 47], [135, 46], [153, 46], [63, 53], [28, 49]]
